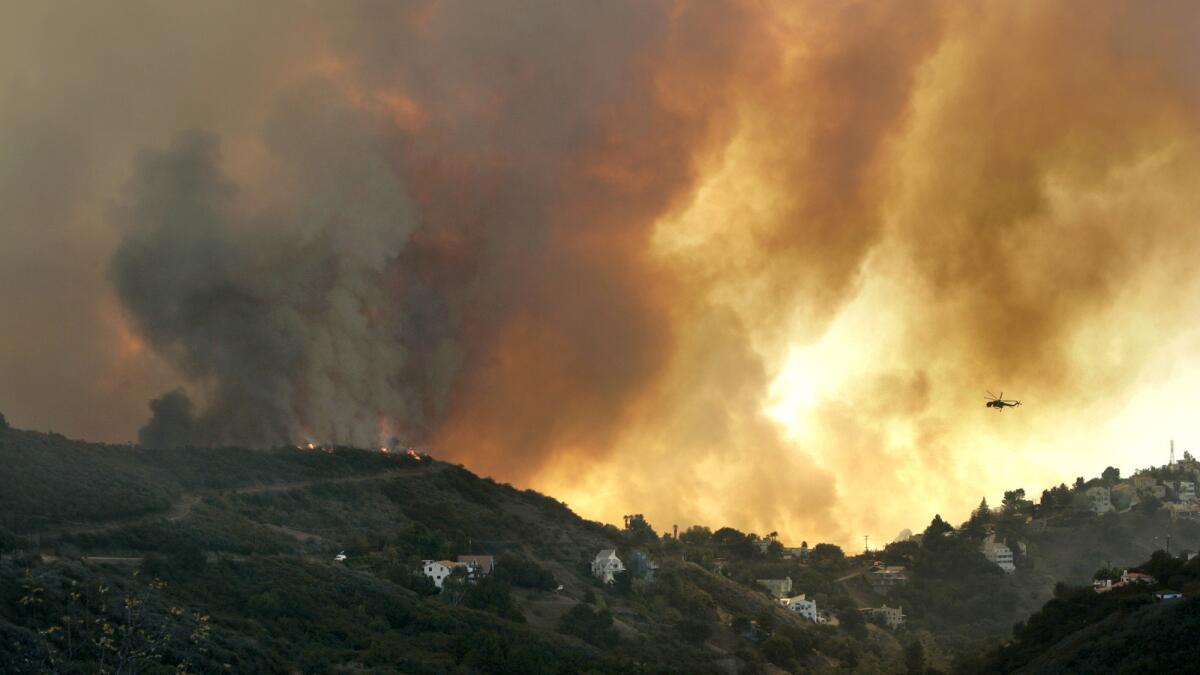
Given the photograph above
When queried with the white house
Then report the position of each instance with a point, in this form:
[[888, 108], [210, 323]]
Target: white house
[[801, 605], [439, 570], [1186, 491], [998, 554], [892, 617], [606, 565], [1098, 499]]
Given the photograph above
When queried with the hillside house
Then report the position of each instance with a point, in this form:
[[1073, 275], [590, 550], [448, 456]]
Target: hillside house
[[641, 566], [440, 570], [1168, 595], [1098, 499], [802, 606], [606, 565], [1187, 511], [885, 577], [892, 617], [998, 554], [1144, 484], [1128, 577], [798, 552], [478, 565], [1123, 496], [1185, 491], [780, 588]]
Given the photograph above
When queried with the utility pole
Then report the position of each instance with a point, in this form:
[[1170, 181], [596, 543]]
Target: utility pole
[[867, 543]]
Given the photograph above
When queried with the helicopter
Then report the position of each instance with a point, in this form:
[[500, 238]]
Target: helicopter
[[999, 402]]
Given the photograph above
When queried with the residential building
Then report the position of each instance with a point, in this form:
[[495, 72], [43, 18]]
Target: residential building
[[885, 577], [1188, 511], [1168, 595], [1123, 496], [780, 588], [892, 617], [998, 554], [1143, 483], [606, 565], [1185, 490], [479, 565], [642, 566], [440, 570], [1098, 499], [802, 606], [1159, 491], [1128, 577]]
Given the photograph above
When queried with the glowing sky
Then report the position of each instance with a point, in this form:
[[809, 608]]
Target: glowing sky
[[712, 262]]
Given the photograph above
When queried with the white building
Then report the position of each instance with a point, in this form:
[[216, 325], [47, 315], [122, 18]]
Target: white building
[[1186, 491], [802, 606], [998, 554], [439, 570], [892, 617], [1098, 499], [606, 565]]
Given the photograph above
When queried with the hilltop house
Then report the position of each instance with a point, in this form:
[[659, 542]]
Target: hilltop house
[[440, 570], [802, 606], [478, 565], [780, 588], [885, 577], [1144, 485], [1128, 577], [1123, 496], [892, 617], [799, 552], [998, 554], [1185, 491], [1098, 499], [606, 565]]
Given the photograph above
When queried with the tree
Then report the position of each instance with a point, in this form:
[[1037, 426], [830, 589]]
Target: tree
[[980, 517], [1014, 500], [4, 423], [852, 621], [590, 625], [623, 582], [1110, 475], [937, 528], [827, 554], [778, 650], [638, 531], [914, 658]]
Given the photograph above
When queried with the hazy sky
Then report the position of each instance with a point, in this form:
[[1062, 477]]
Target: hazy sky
[[708, 261]]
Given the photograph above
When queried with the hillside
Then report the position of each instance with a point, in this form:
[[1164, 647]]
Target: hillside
[[229, 557], [1125, 630], [224, 559]]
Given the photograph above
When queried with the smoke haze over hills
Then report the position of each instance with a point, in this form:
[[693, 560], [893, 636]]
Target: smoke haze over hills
[[709, 261]]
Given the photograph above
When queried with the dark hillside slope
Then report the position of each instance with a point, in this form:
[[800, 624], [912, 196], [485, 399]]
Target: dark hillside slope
[[205, 557]]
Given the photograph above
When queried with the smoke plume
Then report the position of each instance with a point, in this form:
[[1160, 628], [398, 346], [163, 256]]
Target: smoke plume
[[714, 262]]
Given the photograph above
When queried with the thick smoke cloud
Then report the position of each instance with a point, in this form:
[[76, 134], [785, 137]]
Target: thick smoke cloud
[[709, 261]]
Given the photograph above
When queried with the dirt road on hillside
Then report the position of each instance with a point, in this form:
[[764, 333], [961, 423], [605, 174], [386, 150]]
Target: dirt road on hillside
[[183, 504]]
